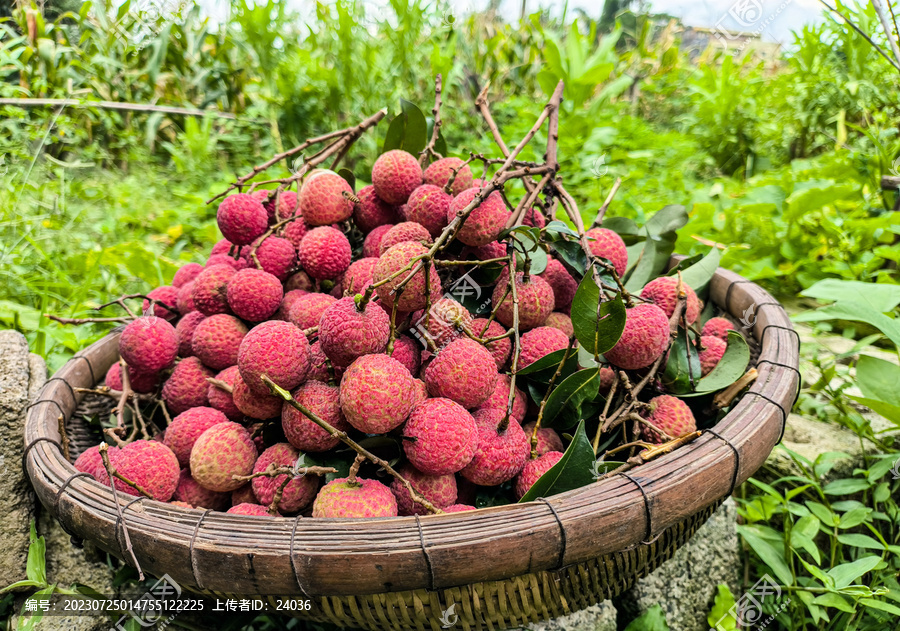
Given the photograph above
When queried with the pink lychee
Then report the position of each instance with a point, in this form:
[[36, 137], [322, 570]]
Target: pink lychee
[[195, 496], [440, 490], [533, 470], [562, 322], [324, 199], [254, 295], [440, 171], [395, 175], [242, 218], [217, 339], [644, 339], [298, 493], [186, 428], [563, 284], [405, 231], [187, 387], [539, 342], [718, 327], [669, 414], [376, 393], [222, 400], [536, 301], [502, 449], [307, 310], [185, 332], [323, 401], [663, 292], [485, 222], [346, 332], [167, 295], [149, 344], [499, 399], [324, 253], [428, 205], [358, 276], [463, 371], [222, 452], [210, 291], [276, 349], [342, 498], [713, 350], [185, 274], [259, 406], [255, 510], [392, 269], [371, 211], [372, 242], [608, 245], [275, 255], [149, 464], [547, 439], [441, 437], [500, 349]]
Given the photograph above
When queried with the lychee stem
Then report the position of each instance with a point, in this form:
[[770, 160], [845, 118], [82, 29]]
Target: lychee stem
[[110, 472], [354, 470], [517, 343], [221, 385], [540, 417], [436, 129], [611, 395]]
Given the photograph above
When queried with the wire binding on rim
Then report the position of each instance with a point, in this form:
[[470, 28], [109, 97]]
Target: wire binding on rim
[[294, 562], [427, 556], [784, 414], [762, 335], [42, 439], [562, 533], [792, 368], [737, 458], [90, 366], [53, 401], [648, 539], [80, 474], [743, 281], [120, 520], [191, 548], [68, 385]]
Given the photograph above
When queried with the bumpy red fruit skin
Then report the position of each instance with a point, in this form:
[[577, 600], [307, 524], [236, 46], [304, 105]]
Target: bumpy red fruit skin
[[669, 414], [500, 455], [644, 339], [366, 498], [346, 333], [718, 327], [295, 231], [185, 332], [395, 175], [221, 452], [463, 371], [358, 276], [321, 199], [185, 299], [307, 310], [446, 321], [547, 439], [217, 339], [536, 301], [254, 295], [439, 172], [413, 295], [298, 493], [713, 349], [376, 394], [561, 322], [534, 218], [458, 508], [607, 376], [499, 399], [289, 300], [440, 490], [325, 253], [406, 231], [663, 292], [255, 510], [539, 342], [409, 353], [187, 387], [227, 260], [185, 274], [242, 218], [372, 211], [222, 246], [91, 462], [191, 493], [149, 344], [277, 349], [243, 495], [323, 401], [259, 406], [562, 283], [420, 392], [149, 464], [445, 437], [276, 255], [165, 294], [320, 367], [372, 242], [222, 400], [608, 245], [210, 292], [187, 427], [485, 222], [300, 280], [428, 206], [533, 470], [500, 349], [140, 382]]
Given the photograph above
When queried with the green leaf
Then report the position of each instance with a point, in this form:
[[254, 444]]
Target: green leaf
[[729, 369], [598, 325], [853, 518], [878, 297], [682, 372], [880, 606], [834, 600], [572, 255], [573, 470], [823, 513], [860, 541], [563, 407], [668, 219], [348, 175], [770, 555], [36, 567], [888, 411], [846, 573], [558, 227], [846, 486], [548, 364], [698, 275], [654, 619], [878, 379], [30, 619], [408, 131], [651, 261], [854, 312], [720, 617]]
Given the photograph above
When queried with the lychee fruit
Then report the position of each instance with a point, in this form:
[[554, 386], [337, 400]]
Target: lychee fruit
[[300, 280], [490, 251], [440, 171], [502, 449], [283, 207], [376, 393], [323, 401], [210, 291], [185, 429], [221, 399], [185, 299], [276, 255], [536, 301], [458, 508], [539, 342], [221, 452], [307, 310], [440, 490], [563, 284], [446, 321], [227, 260], [361, 498], [167, 295], [562, 322], [185, 274], [406, 231], [440, 437], [298, 493], [324, 199], [187, 387], [485, 222], [140, 382], [325, 253], [663, 292], [533, 470], [260, 406], [535, 218], [185, 332], [500, 349], [276, 349], [287, 302], [255, 510], [217, 339], [371, 211], [547, 439], [243, 495], [347, 332], [395, 175], [644, 339], [407, 352], [320, 367], [358, 276], [607, 376], [608, 245], [499, 399], [149, 464], [242, 218], [428, 205], [91, 462], [420, 392], [670, 415], [718, 327], [222, 246], [295, 231], [148, 344], [254, 295], [195, 496], [372, 242], [464, 371], [398, 263], [713, 350]]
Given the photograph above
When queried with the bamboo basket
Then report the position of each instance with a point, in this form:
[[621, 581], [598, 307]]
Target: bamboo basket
[[501, 567]]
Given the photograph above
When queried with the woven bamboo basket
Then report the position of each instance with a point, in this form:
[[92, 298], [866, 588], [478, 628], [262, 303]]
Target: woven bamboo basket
[[501, 567]]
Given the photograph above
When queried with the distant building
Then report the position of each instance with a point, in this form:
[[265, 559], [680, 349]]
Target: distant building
[[695, 40]]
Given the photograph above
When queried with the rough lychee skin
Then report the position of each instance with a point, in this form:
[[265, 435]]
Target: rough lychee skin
[[500, 349], [413, 295], [323, 401], [485, 222], [371, 211], [446, 321], [533, 470], [289, 300], [440, 490], [539, 342], [713, 350], [325, 253], [439, 172], [298, 493], [536, 301], [185, 332], [609, 245], [225, 259], [420, 392], [607, 376], [499, 456], [254, 295], [186, 428], [376, 394], [91, 462], [644, 339], [358, 276], [463, 371], [277, 256], [149, 464], [320, 367], [140, 382], [669, 414], [185, 274], [300, 280], [222, 246], [395, 175], [148, 344], [217, 339], [663, 292], [372, 242], [405, 231], [347, 333], [407, 352], [243, 495], [277, 349], [534, 218], [562, 322], [547, 439], [191, 493], [295, 231], [221, 452], [242, 218], [255, 510], [307, 310], [222, 400], [458, 508], [210, 292], [185, 299], [718, 327], [444, 437], [563, 284], [321, 199], [428, 205], [488, 251], [258, 406], [165, 294], [187, 387], [499, 399], [366, 498]]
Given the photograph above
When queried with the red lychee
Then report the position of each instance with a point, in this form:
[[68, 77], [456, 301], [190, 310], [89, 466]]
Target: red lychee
[[562, 322], [187, 387], [713, 350], [259, 406], [320, 367], [185, 429], [307, 310], [463, 371], [295, 231], [534, 218], [195, 496], [441, 437], [563, 284], [539, 342], [185, 299], [360, 499], [347, 332], [499, 399], [376, 394], [324, 199], [276, 255], [298, 493], [372, 243], [217, 339], [670, 415], [371, 211], [445, 322], [536, 301], [276, 349], [221, 399], [287, 302], [140, 382], [663, 292], [149, 464], [608, 245], [428, 205], [407, 352], [718, 327], [221, 452], [300, 280], [167, 295], [440, 171], [254, 295], [644, 339], [395, 175], [500, 349], [185, 332], [358, 276], [397, 264], [458, 508], [533, 470], [406, 231], [547, 439], [255, 510], [185, 274], [149, 344], [91, 462], [323, 401], [242, 218], [485, 222], [501, 452], [227, 260], [210, 291], [440, 490], [325, 253]]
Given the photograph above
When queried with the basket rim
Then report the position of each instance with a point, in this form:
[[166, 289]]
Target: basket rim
[[334, 557]]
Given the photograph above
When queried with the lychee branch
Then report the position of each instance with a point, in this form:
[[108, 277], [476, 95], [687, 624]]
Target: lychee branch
[[540, 417], [429, 151], [611, 395], [517, 343], [104, 457], [598, 220], [273, 471]]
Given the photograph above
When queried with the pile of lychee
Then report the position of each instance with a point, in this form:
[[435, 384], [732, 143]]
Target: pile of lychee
[[315, 291]]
